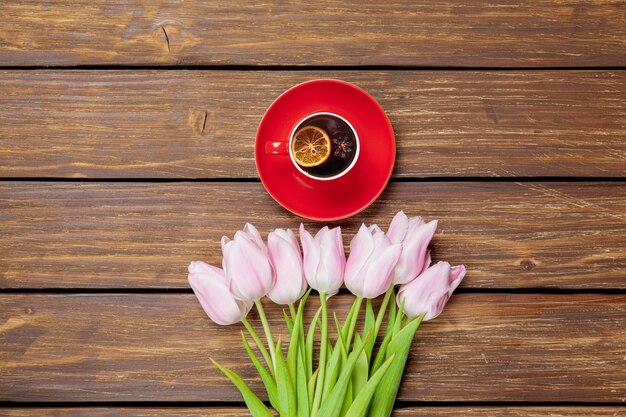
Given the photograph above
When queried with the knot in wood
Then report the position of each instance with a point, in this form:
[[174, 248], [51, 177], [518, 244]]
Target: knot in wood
[[527, 265]]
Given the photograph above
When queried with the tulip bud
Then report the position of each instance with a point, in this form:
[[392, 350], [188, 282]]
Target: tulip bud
[[286, 258], [324, 259], [247, 264], [211, 287], [372, 259], [415, 235], [429, 292]]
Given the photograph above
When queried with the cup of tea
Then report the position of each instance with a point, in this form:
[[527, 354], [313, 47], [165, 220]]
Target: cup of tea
[[323, 146]]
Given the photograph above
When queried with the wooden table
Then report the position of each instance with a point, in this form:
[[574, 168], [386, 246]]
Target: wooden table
[[126, 151]]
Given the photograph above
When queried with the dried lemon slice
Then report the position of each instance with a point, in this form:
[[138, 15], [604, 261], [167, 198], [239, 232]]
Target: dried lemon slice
[[310, 146]]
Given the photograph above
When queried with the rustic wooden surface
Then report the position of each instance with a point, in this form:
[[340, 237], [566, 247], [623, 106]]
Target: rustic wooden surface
[[133, 155], [201, 124], [333, 32], [515, 411], [140, 235], [156, 347]]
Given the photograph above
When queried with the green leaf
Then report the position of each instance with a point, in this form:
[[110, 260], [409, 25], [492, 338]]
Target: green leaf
[[344, 353], [399, 347], [302, 344], [361, 403], [389, 295], [292, 352], [325, 348], [310, 338], [346, 324], [284, 385], [370, 319], [333, 404], [382, 350], [266, 377], [392, 313], [369, 325], [337, 356], [347, 401], [311, 386], [254, 404], [348, 330], [333, 366], [301, 388], [292, 309], [361, 369], [397, 323], [380, 355], [288, 322], [260, 345]]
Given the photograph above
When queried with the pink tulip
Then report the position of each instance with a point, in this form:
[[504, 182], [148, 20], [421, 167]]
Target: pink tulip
[[324, 259], [211, 287], [286, 258], [247, 264], [372, 259], [428, 293], [415, 235]]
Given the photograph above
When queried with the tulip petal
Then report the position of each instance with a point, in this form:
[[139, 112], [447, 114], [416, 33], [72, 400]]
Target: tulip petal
[[226, 246], [225, 241], [414, 249], [293, 240], [398, 227], [333, 261], [457, 275], [203, 267], [254, 234], [374, 229], [249, 269], [415, 222], [312, 255], [319, 236], [280, 233], [327, 270], [361, 248], [427, 262], [215, 298], [252, 231], [287, 261], [429, 292], [199, 266], [324, 259], [379, 273], [340, 254]]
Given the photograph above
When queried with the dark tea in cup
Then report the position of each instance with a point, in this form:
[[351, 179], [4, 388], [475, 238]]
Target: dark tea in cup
[[324, 146]]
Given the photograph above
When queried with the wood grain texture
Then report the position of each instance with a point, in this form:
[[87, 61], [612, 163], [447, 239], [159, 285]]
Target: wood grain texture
[[332, 32], [156, 347], [140, 235], [202, 124], [513, 411]]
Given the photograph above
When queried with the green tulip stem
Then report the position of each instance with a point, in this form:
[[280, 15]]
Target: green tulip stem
[[268, 333], [259, 344], [357, 308], [382, 311], [322, 363]]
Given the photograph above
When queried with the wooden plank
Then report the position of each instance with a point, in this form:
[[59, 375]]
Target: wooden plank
[[141, 235], [202, 124], [516, 411], [156, 347], [489, 33]]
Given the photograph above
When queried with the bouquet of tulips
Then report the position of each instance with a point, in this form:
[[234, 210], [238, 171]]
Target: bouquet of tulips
[[348, 378]]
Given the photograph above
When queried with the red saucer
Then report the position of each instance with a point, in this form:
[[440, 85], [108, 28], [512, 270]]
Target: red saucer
[[334, 199]]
